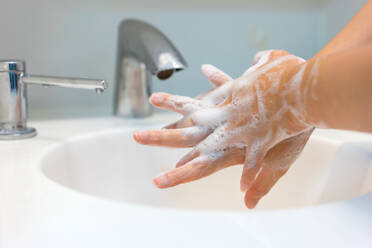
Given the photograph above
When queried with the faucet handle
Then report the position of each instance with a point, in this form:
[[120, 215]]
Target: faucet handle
[[12, 66]]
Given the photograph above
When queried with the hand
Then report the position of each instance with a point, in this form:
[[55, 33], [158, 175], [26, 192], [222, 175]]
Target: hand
[[249, 120]]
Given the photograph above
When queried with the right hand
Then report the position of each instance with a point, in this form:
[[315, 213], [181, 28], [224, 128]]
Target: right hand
[[283, 155]]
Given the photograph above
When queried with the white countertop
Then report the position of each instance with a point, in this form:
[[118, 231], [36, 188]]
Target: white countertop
[[36, 212]]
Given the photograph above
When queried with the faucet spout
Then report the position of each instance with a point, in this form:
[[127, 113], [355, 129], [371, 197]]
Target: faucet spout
[[143, 51], [13, 96], [78, 83]]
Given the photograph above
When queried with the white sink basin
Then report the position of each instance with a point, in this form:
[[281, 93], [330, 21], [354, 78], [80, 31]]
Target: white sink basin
[[86, 183], [111, 165]]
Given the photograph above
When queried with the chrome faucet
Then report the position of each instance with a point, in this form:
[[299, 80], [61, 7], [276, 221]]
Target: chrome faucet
[[13, 96], [142, 50]]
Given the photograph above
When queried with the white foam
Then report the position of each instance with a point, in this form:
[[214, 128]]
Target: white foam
[[295, 88], [211, 118], [260, 59], [275, 78], [314, 77], [195, 131], [260, 102], [186, 105], [257, 148], [219, 94]]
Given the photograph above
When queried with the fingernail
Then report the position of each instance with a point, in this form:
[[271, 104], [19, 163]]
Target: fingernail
[[244, 187], [140, 135], [207, 69], [156, 99], [179, 164], [251, 203], [161, 181]]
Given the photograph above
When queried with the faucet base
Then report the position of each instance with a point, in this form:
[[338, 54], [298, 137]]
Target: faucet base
[[17, 134], [133, 89]]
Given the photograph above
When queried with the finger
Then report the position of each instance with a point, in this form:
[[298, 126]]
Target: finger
[[266, 179], [260, 59], [252, 165], [268, 56], [260, 56], [219, 94], [192, 171], [194, 153], [287, 151], [231, 155], [180, 104], [172, 125], [263, 58], [276, 163], [215, 75], [184, 122], [200, 167], [185, 137]]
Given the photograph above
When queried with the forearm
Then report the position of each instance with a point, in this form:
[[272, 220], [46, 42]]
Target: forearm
[[337, 90], [358, 32]]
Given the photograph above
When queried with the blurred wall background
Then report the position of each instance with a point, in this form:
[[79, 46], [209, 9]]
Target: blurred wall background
[[79, 38]]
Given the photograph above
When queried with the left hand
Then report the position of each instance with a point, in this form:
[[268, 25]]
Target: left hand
[[255, 119]]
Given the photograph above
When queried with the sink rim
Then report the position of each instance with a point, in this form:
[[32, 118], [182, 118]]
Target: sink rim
[[143, 206]]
